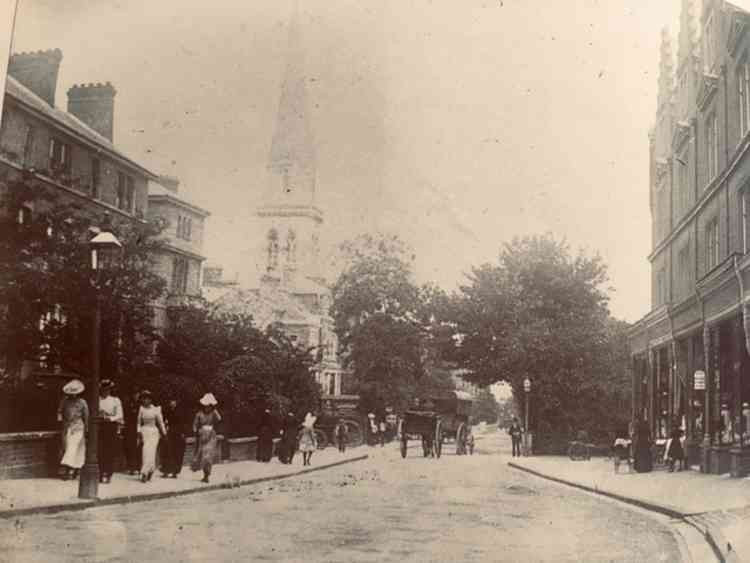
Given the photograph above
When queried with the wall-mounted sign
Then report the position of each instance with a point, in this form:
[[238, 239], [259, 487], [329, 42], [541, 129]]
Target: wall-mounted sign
[[699, 380]]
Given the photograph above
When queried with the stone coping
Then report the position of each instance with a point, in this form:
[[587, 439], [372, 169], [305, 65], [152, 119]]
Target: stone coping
[[244, 440], [28, 436]]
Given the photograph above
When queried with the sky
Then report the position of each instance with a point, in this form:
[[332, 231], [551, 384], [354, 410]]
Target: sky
[[457, 125]]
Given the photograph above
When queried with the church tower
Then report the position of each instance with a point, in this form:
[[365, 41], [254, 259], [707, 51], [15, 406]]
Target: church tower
[[288, 216]]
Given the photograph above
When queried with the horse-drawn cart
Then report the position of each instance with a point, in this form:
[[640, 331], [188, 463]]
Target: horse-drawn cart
[[437, 420]]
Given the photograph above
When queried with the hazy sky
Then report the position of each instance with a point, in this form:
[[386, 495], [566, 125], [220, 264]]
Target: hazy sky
[[457, 124]]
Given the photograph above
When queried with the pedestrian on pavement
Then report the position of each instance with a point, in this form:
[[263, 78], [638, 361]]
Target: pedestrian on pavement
[[373, 429], [111, 421], [150, 430], [675, 453], [643, 462], [516, 433], [308, 443], [341, 432], [174, 446], [381, 433], [73, 413], [265, 437], [130, 432], [288, 443], [204, 426], [621, 450]]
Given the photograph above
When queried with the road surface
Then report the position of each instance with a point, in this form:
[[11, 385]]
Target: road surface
[[468, 508]]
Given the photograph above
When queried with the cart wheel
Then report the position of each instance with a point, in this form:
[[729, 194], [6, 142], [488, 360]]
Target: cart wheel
[[403, 445], [461, 439], [438, 444]]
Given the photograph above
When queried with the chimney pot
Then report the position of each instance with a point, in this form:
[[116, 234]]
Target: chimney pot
[[37, 71]]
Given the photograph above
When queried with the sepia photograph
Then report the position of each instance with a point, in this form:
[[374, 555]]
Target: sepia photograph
[[375, 280]]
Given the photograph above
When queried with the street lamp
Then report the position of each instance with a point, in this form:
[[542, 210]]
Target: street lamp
[[527, 392], [104, 249]]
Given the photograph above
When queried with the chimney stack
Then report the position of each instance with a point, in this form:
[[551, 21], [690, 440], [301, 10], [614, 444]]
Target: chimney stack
[[94, 104], [37, 71], [170, 182]]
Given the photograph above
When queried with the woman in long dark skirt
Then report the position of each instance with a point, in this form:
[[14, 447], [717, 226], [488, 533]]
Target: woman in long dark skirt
[[675, 453], [288, 444], [643, 462], [265, 437]]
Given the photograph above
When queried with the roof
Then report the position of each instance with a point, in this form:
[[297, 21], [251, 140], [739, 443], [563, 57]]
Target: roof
[[157, 191], [266, 307], [21, 93]]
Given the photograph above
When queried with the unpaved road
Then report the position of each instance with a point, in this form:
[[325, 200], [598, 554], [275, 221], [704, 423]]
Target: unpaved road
[[383, 509]]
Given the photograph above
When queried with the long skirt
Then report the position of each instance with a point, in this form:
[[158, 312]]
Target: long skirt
[[74, 446], [150, 435], [206, 450]]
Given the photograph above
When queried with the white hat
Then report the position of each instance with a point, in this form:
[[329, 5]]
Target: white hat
[[371, 415], [208, 399], [73, 387]]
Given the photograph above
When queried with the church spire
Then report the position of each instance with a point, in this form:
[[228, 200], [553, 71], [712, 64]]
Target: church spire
[[292, 161]]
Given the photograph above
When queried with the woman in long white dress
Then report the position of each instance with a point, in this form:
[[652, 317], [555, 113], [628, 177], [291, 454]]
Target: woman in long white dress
[[73, 413], [150, 430]]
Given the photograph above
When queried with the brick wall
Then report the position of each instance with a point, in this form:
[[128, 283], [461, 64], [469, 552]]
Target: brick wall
[[29, 454]]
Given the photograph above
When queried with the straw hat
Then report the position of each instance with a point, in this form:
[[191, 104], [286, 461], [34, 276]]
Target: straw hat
[[208, 399], [73, 387]]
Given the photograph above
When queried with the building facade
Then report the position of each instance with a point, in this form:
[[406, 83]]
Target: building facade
[[690, 352]]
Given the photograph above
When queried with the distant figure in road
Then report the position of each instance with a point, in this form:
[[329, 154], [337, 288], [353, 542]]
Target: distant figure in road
[[150, 429], [675, 453], [642, 461], [288, 444], [308, 443], [73, 413], [204, 427], [132, 451], [516, 433], [265, 437], [341, 433], [110, 426], [381, 432], [174, 450]]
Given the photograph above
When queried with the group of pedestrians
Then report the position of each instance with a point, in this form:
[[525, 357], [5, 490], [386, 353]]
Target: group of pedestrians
[[146, 430]]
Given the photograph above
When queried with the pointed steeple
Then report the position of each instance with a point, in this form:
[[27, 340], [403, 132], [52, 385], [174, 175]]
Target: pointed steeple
[[292, 161], [666, 71]]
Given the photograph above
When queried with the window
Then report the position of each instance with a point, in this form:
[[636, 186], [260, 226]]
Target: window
[[59, 156], [125, 192], [683, 184], [683, 270], [96, 177], [712, 244], [28, 144], [745, 210], [184, 227], [712, 147], [743, 82], [660, 287], [24, 215], [179, 276], [708, 43]]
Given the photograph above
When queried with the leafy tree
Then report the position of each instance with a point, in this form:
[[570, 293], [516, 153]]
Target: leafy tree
[[542, 313], [485, 407], [47, 288]]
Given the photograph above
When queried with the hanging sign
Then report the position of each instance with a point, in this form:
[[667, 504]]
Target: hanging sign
[[699, 380]]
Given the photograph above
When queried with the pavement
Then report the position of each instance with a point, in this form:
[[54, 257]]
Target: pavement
[[717, 505], [31, 496]]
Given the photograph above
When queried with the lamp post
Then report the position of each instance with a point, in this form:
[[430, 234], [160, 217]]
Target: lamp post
[[104, 249], [527, 392]]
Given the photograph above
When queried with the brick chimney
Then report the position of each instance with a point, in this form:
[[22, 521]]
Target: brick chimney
[[170, 182], [37, 71], [94, 104]]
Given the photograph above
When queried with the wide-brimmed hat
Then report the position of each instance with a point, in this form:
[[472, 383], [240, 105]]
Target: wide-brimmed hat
[[73, 387], [208, 399], [144, 393], [106, 384]]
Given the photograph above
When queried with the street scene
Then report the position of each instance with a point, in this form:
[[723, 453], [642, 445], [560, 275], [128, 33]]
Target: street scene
[[339, 280]]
